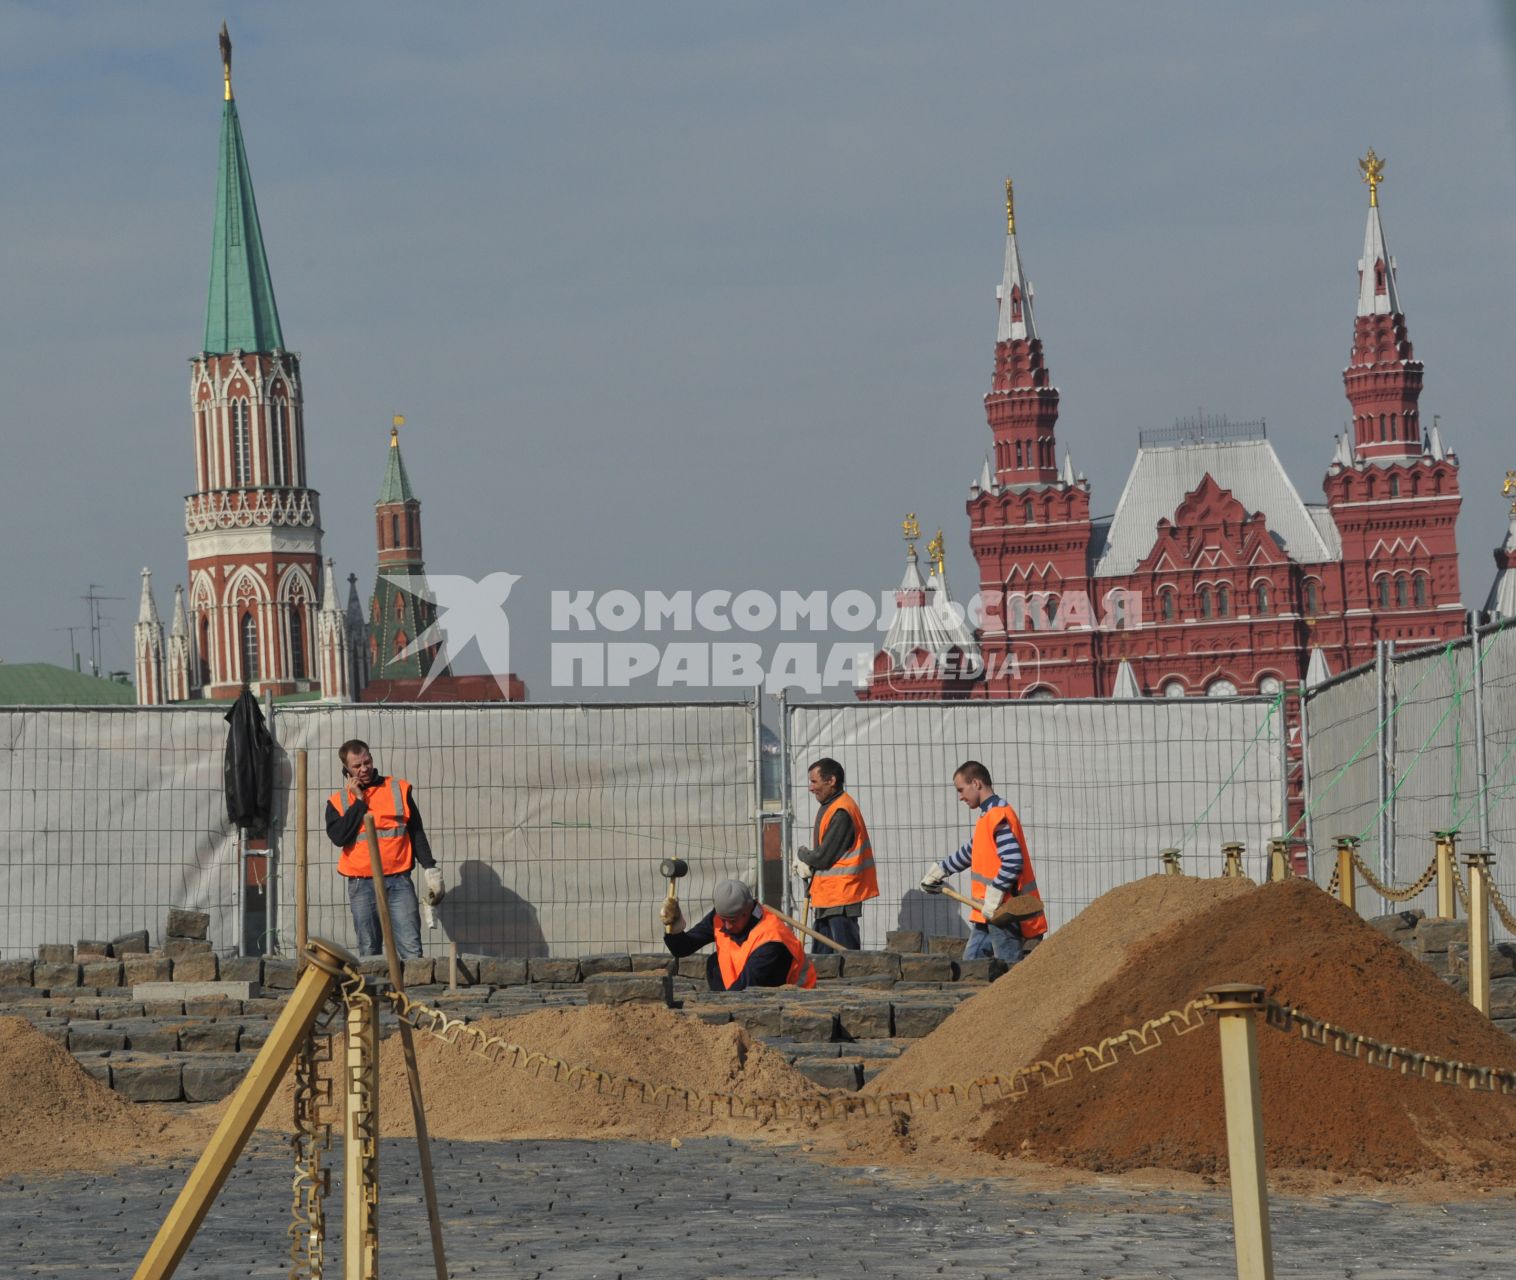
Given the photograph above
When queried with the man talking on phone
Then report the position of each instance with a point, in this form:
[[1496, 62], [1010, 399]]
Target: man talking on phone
[[402, 841]]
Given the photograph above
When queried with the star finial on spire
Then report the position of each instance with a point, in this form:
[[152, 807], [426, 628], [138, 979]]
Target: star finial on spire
[[226, 60], [1509, 488], [1372, 169], [938, 557], [1010, 208], [910, 530]]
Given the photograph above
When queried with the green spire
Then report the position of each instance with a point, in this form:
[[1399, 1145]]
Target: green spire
[[241, 311], [397, 485]]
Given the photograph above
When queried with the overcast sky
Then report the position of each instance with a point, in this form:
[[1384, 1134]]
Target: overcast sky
[[703, 295]]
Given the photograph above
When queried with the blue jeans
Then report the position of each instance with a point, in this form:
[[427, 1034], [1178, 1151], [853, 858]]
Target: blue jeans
[[405, 915], [988, 938], [843, 930]]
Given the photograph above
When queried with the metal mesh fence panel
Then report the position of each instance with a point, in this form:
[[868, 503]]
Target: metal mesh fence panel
[[1101, 787], [549, 821], [108, 817]]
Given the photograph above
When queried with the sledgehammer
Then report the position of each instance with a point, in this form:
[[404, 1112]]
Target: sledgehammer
[[672, 869]]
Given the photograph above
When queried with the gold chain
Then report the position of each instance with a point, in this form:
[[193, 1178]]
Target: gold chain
[[1377, 1053], [1384, 890], [837, 1106], [1458, 884], [1501, 910], [311, 1140]]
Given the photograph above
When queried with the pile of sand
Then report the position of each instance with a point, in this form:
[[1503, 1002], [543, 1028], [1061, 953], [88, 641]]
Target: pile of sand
[[468, 1097], [1321, 1111], [56, 1116]]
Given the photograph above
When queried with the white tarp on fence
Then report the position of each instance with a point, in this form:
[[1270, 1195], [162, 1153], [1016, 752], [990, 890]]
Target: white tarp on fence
[[549, 822], [1100, 787]]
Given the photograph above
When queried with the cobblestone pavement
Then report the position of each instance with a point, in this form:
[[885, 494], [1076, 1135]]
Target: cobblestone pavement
[[717, 1210]]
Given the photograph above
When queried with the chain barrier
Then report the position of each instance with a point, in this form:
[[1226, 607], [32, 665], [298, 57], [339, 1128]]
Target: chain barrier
[[1385, 891], [1461, 888], [1501, 910], [1377, 1053], [834, 1106], [311, 1140], [1335, 880]]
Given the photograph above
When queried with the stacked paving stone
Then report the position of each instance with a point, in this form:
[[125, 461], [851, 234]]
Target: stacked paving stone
[[1443, 946], [102, 1003]]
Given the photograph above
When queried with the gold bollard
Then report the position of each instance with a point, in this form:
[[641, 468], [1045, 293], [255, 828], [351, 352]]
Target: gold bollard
[[1447, 855], [1237, 1007], [1232, 851], [360, 1141], [1346, 888], [325, 964], [1479, 930], [1170, 860], [1279, 859]]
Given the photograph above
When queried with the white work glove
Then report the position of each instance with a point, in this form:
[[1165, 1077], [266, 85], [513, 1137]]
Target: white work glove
[[428, 914], [993, 897], [434, 892], [932, 881], [672, 916], [801, 868]]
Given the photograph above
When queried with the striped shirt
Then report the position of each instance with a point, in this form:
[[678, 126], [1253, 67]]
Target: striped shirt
[[1005, 842]]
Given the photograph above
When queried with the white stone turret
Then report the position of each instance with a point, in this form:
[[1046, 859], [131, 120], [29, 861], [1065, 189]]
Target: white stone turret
[[179, 661], [333, 645], [147, 638], [358, 665]]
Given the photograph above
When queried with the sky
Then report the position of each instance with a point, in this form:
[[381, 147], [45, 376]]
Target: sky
[[688, 296]]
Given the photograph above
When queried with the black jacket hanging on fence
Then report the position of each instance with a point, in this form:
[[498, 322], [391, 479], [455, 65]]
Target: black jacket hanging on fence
[[249, 765]]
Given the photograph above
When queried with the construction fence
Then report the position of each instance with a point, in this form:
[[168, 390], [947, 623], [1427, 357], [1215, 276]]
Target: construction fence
[[1414, 743], [1101, 788]]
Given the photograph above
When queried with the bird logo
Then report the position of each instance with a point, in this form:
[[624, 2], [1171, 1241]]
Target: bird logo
[[466, 611]]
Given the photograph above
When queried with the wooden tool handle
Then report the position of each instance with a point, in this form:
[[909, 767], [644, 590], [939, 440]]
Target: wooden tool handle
[[805, 929]]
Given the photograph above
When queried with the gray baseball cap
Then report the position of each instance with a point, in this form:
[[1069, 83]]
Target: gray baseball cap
[[730, 897]]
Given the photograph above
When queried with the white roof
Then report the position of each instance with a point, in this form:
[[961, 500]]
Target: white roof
[[1370, 301], [1014, 279], [147, 608], [1126, 682], [1502, 601], [329, 590], [181, 623], [1163, 475], [926, 619], [1321, 517]]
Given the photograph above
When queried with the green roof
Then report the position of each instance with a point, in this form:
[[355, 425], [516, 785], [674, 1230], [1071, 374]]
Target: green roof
[[41, 684], [397, 485], [241, 312]]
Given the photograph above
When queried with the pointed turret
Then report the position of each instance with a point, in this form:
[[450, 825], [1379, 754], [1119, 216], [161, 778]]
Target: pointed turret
[[1022, 406], [359, 650], [147, 637], [1502, 599], [178, 662], [334, 652], [402, 609], [1382, 380], [241, 313]]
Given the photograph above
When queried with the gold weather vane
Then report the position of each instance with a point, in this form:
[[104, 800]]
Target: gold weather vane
[[937, 555], [1010, 208], [1509, 488], [226, 60], [1372, 169], [396, 423], [910, 531]]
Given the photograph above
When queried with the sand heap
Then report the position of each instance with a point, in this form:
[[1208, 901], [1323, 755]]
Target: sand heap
[[468, 1097], [1321, 1111], [56, 1116]]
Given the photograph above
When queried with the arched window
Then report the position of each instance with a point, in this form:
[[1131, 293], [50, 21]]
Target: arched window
[[247, 633], [1312, 597], [1174, 689], [297, 639], [1420, 582], [1382, 436], [1384, 593], [1115, 608], [400, 606], [1223, 601], [1166, 603], [373, 650], [1203, 596], [1027, 511], [1221, 689], [205, 648], [242, 457], [395, 531], [1394, 486], [278, 429], [1050, 609], [1017, 612], [1261, 598], [1401, 594], [400, 643], [1018, 455]]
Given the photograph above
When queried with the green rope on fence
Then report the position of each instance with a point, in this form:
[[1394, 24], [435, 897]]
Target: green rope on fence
[[1267, 719], [1453, 705]]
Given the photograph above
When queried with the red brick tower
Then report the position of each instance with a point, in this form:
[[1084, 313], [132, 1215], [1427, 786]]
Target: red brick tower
[[253, 523]]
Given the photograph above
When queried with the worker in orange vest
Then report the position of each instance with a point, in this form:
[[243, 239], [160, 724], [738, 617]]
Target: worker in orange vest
[[839, 868], [754, 948], [1000, 864], [402, 842]]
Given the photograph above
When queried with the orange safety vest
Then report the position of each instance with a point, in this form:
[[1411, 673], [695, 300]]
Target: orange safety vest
[[732, 955], [390, 805], [851, 878], [986, 866]]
